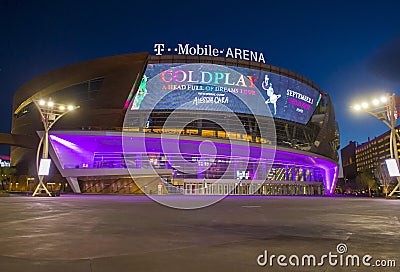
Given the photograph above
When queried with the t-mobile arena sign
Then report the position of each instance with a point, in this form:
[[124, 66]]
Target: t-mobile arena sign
[[208, 50]]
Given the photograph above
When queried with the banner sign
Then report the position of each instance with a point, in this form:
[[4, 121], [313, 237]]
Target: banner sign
[[206, 87]]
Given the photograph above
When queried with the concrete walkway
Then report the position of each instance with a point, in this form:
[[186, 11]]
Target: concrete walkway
[[133, 233]]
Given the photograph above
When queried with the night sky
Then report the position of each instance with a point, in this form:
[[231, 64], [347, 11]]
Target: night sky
[[351, 49]]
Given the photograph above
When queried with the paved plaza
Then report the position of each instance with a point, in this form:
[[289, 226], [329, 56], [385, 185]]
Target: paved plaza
[[132, 233]]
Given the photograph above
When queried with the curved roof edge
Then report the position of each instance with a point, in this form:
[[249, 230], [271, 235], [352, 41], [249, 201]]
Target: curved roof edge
[[71, 74], [18, 140]]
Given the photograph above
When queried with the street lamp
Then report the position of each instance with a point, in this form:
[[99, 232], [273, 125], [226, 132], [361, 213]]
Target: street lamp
[[385, 110], [50, 113]]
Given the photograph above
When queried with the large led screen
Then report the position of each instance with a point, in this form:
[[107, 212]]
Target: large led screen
[[208, 87]]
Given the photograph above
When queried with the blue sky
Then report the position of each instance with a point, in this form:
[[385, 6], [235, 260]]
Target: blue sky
[[348, 48]]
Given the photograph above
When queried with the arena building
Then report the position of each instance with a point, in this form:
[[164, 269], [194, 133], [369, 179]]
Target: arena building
[[164, 124]]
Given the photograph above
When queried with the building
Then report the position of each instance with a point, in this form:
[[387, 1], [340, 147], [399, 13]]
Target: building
[[372, 153], [5, 161], [241, 127], [349, 165]]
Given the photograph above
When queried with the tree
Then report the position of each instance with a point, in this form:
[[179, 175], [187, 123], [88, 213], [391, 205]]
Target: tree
[[366, 181], [5, 174], [382, 176]]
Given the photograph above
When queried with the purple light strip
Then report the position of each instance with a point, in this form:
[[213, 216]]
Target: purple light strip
[[66, 143], [112, 143]]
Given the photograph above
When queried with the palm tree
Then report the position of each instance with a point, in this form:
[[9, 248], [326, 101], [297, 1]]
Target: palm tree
[[5, 174]]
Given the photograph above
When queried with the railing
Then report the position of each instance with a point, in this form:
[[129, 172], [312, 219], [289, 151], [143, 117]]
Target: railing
[[173, 190]]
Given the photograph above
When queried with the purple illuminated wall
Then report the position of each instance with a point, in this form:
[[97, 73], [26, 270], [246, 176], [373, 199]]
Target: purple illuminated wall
[[76, 150]]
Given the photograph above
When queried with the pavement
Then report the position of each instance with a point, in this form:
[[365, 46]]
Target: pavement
[[99, 233]]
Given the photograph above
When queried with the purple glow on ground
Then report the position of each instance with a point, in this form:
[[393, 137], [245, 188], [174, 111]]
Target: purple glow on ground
[[145, 198]]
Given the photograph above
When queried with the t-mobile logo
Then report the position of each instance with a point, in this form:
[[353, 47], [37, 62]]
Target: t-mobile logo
[[158, 48]]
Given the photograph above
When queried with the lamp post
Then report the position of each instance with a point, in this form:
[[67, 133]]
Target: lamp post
[[50, 113], [385, 110]]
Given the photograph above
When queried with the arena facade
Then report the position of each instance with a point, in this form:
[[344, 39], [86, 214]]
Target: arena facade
[[178, 124]]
